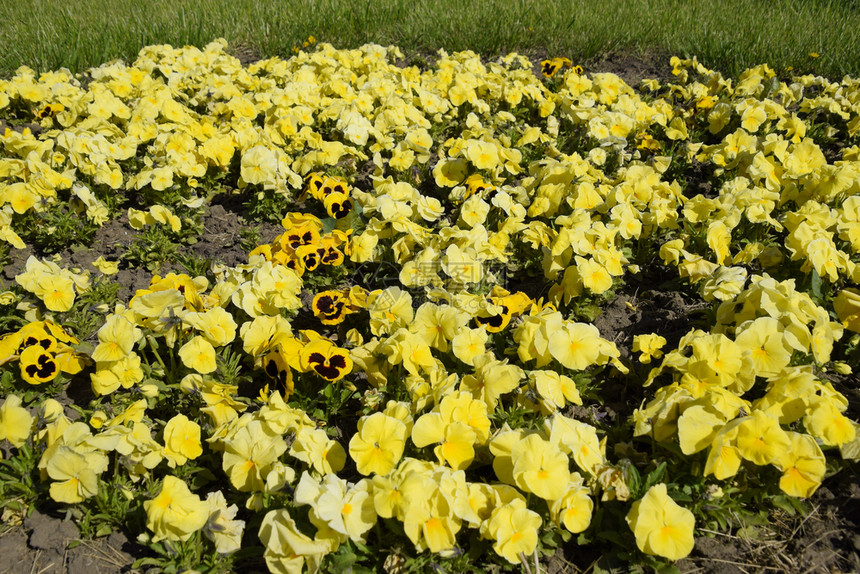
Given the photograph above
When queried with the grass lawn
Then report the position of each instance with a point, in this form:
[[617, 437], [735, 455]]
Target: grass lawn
[[729, 35]]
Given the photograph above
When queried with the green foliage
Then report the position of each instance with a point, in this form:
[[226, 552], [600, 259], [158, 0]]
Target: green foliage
[[326, 401], [88, 312], [263, 206], [232, 367], [20, 486], [55, 229], [152, 249], [249, 237], [192, 554], [193, 264], [108, 511]]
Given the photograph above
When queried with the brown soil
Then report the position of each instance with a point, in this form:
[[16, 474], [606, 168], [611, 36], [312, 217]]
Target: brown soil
[[220, 242], [51, 545], [648, 65]]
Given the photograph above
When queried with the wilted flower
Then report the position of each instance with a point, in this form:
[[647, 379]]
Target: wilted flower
[[221, 527]]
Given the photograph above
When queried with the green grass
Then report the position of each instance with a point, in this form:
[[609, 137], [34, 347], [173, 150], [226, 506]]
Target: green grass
[[728, 35]]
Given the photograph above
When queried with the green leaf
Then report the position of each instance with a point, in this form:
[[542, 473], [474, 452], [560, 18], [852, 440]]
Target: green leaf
[[611, 536], [633, 480], [342, 562], [789, 504], [85, 348], [549, 540], [15, 505], [146, 562], [584, 539], [815, 284], [655, 476], [590, 312], [748, 533], [203, 477], [328, 224], [158, 547]]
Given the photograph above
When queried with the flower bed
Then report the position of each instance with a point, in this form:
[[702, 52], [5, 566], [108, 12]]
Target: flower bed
[[415, 369]]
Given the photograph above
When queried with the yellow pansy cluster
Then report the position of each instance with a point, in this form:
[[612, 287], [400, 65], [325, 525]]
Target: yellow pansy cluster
[[458, 388], [304, 245], [777, 182], [56, 287], [749, 352]]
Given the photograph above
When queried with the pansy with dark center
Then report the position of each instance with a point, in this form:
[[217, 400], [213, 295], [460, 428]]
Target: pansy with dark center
[[36, 333], [298, 237], [509, 305], [314, 183], [338, 205], [329, 307], [49, 111], [339, 186], [475, 185], [331, 368], [37, 365], [45, 335], [311, 255], [495, 323], [333, 256], [336, 247], [295, 264], [46, 342], [265, 250], [326, 360], [330, 186], [276, 366], [548, 68]]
